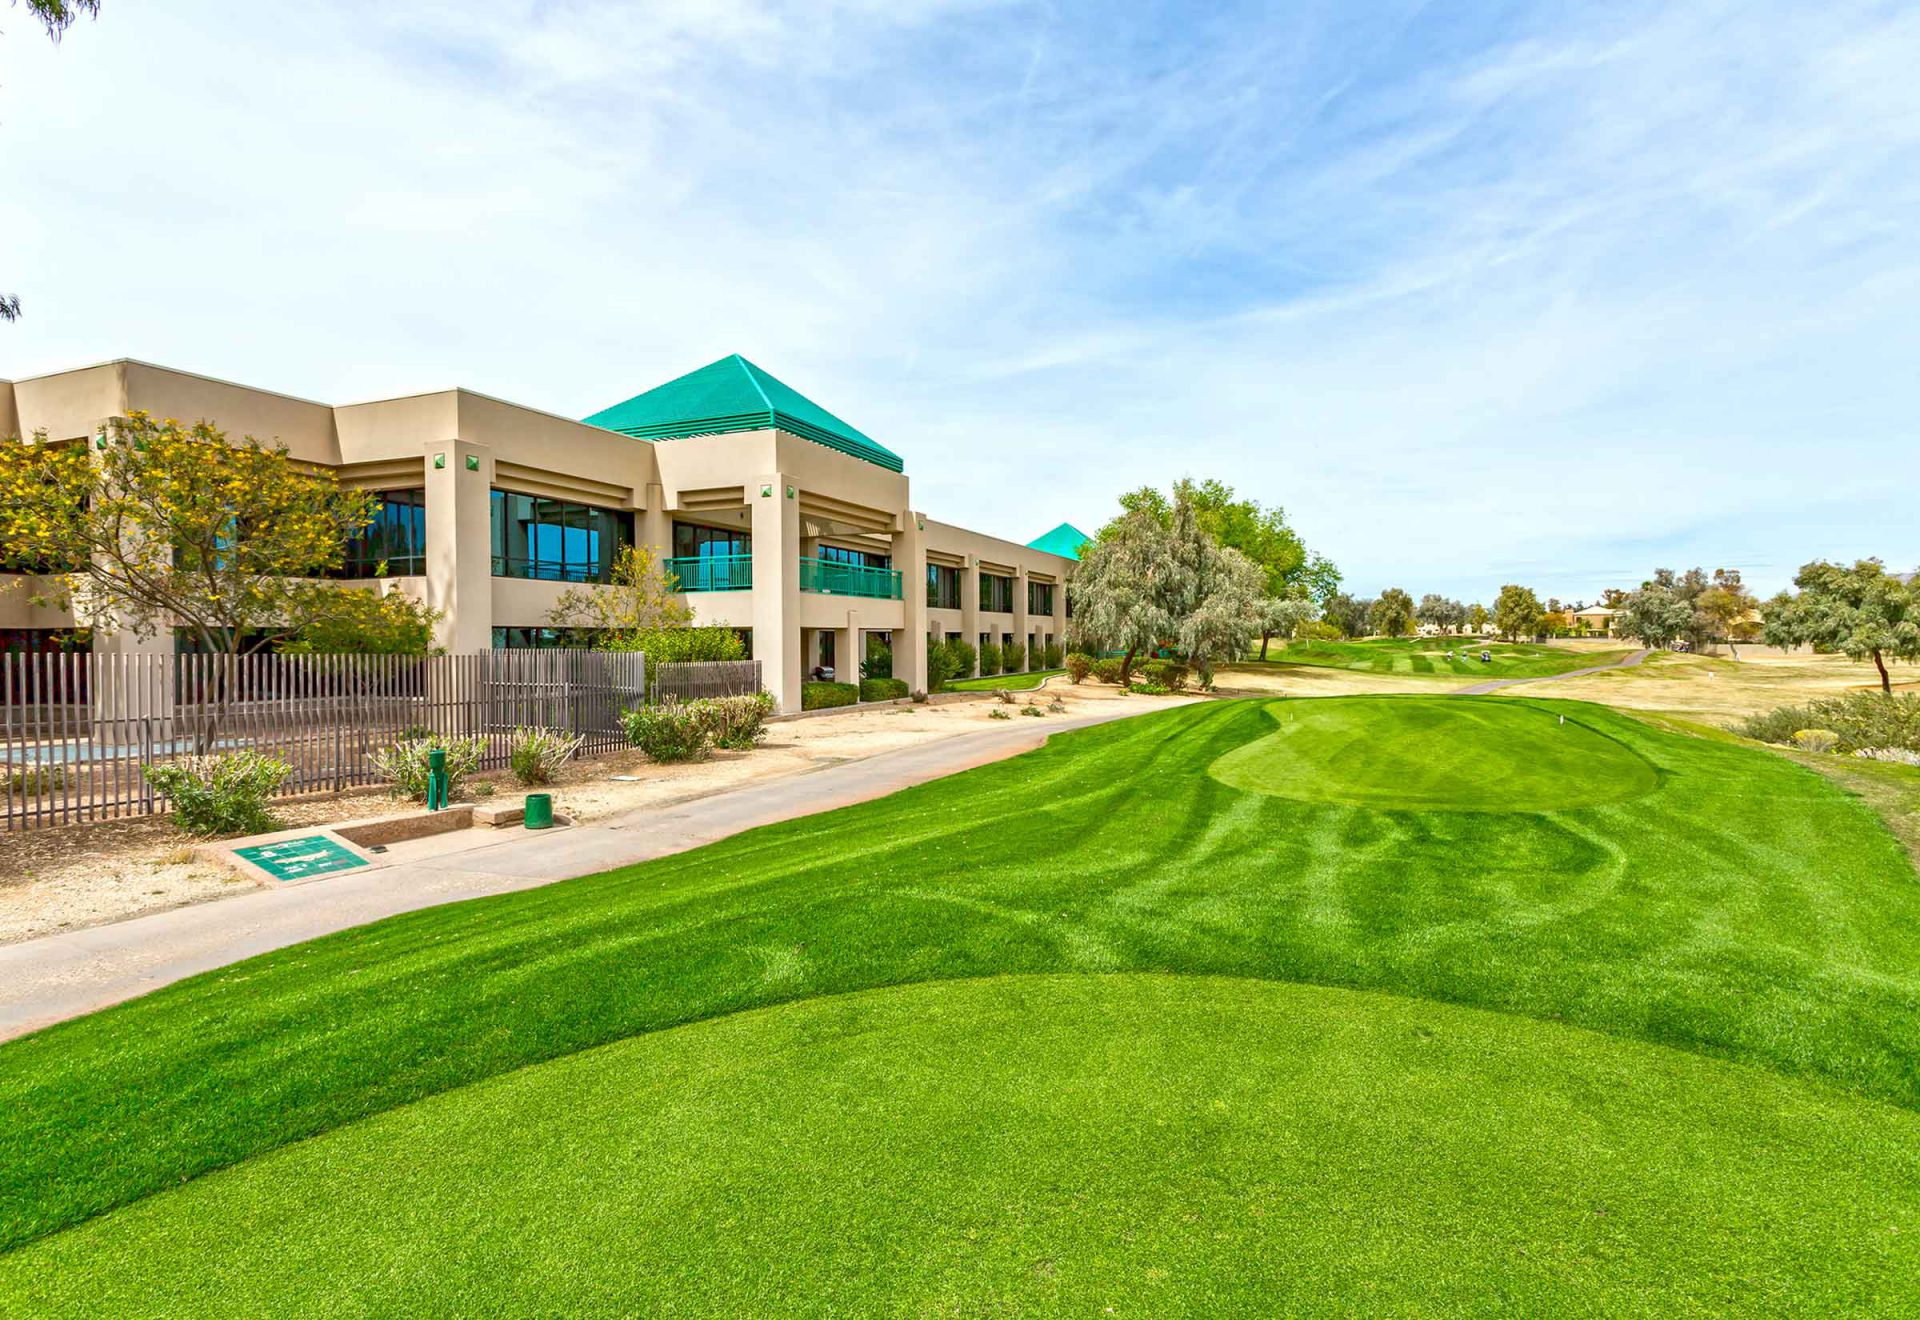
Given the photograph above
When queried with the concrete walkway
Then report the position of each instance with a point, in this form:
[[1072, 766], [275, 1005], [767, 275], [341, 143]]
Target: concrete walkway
[[1494, 685], [46, 980]]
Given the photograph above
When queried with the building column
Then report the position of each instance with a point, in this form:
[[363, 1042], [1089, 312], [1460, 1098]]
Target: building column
[[910, 643], [776, 587], [652, 524], [1060, 614], [459, 544], [1022, 634], [848, 652], [970, 607]]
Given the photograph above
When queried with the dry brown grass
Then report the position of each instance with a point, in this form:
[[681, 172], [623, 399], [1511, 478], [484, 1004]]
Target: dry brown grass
[[1715, 689]]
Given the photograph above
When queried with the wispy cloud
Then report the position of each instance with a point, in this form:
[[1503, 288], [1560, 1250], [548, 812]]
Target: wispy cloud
[[1475, 291]]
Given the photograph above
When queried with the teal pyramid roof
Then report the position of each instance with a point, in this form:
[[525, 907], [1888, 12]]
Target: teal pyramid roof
[[1064, 540], [734, 395]]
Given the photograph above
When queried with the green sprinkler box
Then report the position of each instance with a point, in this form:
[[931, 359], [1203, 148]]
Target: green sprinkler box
[[539, 811]]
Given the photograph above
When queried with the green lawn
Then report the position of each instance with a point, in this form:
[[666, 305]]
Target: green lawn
[[1696, 1091], [1429, 655], [994, 682]]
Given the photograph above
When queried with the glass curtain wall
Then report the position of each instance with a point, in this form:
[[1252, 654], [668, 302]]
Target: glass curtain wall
[[556, 540]]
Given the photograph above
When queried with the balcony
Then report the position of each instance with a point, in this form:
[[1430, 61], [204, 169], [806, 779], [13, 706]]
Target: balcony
[[712, 572], [835, 579]]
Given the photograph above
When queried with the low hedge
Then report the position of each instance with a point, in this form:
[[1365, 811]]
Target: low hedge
[[821, 696], [882, 689]]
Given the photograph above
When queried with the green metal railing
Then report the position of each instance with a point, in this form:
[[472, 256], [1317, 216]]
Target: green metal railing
[[712, 572], [837, 579]]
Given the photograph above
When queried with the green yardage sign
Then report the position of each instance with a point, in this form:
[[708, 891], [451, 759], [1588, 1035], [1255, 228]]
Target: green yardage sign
[[299, 859]]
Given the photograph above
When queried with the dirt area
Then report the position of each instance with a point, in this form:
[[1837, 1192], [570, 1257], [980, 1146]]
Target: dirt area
[[1718, 689], [1715, 689], [67, 877]]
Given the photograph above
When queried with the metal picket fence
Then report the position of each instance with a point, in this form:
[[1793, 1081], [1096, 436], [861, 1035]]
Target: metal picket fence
[[692, 680], [75, 728]]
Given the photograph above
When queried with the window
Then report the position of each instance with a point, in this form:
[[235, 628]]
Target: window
[[554, 540], [396, 538], [996, 594], [538, 639], [839, 554], [1040, 598], [691, 540], [943, 587]]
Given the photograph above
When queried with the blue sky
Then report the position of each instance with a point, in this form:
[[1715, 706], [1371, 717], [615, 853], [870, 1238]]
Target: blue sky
[[1553, 293]]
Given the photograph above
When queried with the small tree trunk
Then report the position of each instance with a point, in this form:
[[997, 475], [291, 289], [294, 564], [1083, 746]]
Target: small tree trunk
[[1126, 666], [1886, 679], [1263, 644]]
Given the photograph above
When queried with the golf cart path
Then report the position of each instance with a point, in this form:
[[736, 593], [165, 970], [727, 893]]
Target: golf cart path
[[46, 980], [1494, 685]]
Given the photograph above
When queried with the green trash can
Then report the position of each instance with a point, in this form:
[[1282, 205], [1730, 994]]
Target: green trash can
[[539, 811]]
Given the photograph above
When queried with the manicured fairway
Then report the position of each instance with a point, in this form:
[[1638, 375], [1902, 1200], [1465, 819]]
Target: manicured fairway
[[1417, 755], [1745, 935], [1428, 655], [1167, 1146], [1010, 682]]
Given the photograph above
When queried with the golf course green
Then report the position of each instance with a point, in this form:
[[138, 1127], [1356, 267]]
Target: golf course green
[[1411, 754], [1378, 1005]]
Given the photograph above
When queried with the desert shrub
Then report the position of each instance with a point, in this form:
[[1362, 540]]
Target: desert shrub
[[1108, 670], [1004, 696], [1149, 689], [679, 646], [919, 696], [1897, 755], [822, 696], [963, 657], [989, 658], [1030, 709], [1013, 656], [1169, 674], [536, 755], [1050, 656], [736, 723], [1078, 667], [879, 659], [403, 764], [669, 730], [882, 689], [998, 714], [1857, 720], [220, 794], [1816, 740], [31, 780], [942, 668]]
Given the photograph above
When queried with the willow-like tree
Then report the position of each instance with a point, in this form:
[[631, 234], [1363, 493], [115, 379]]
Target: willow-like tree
[[169, 526]]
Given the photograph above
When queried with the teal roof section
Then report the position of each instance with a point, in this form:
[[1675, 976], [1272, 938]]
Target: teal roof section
[[1064, 540], [734, 395]]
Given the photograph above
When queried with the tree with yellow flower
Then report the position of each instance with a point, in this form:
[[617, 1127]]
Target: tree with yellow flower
[[163, 525]]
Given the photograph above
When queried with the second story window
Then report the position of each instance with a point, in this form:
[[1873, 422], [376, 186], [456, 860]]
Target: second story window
[[943, 587], [394, 544], [1040, 598], [840, 554], [691, 540], [556, 540], [996, 594]]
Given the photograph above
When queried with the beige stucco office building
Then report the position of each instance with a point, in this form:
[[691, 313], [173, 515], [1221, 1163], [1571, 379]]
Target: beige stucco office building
[[778, 518]]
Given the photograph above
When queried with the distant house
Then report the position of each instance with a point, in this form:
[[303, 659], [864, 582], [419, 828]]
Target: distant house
[[1593, 621]]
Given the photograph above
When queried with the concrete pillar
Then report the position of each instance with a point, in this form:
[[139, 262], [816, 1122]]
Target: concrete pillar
[[775, 508], [849, 649], [459, 552], [1021, 632], [970, 607], [652, 524], [910, 643], [1060, 614]]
